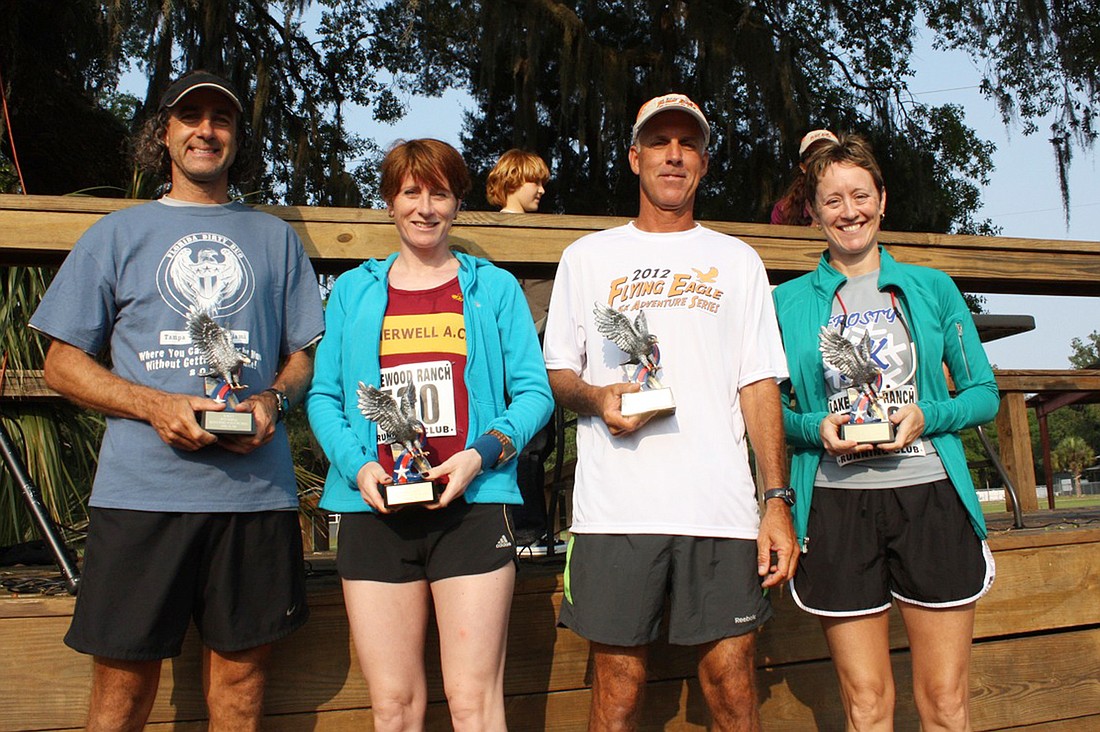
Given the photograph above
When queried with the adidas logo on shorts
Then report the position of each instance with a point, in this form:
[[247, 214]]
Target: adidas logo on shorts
[[503, 542]]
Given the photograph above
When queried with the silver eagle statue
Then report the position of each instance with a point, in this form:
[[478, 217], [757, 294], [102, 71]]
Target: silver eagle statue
[[853, 361], [216, 345], [634, 339], [397, 418]]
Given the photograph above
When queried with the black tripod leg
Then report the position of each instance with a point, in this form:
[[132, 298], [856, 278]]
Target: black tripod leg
[[46, 525]]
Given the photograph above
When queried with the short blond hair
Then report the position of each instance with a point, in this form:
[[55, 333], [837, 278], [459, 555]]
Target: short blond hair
[[514, 168]]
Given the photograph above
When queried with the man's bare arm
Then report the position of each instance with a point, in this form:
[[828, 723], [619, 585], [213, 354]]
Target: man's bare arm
[[293, 380], [74, 374], [763, 413], [295, 376], [572, 392], [605, 402], [764, 421]]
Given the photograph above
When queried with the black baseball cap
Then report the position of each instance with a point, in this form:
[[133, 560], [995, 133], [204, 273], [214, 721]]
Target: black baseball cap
[[198, 80]]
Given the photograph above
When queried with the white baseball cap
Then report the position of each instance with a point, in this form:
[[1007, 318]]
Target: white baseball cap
[[813, 136], [668, 103]]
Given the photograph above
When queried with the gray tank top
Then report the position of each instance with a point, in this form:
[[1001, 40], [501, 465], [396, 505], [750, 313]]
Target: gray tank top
[[859, 308]]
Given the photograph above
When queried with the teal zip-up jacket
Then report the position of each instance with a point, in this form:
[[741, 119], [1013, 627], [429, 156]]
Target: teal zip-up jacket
[[505, 376], [943, 329]]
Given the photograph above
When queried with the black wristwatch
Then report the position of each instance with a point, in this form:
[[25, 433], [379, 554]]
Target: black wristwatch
[[281, 402], [785, 494]]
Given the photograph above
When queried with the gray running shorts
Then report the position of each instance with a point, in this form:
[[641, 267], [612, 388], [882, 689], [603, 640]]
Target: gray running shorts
[[616, 585]]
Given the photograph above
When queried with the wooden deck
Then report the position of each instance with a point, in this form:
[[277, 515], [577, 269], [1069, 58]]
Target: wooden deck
[[1036, 657]]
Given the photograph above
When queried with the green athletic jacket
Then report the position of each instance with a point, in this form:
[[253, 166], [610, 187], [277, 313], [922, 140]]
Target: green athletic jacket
[[942, 327]]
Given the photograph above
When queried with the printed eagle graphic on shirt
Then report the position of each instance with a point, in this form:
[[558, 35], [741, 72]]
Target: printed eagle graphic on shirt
[[207, 280], [707, 277]]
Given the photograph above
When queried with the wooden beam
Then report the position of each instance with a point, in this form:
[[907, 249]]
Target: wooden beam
[[1014, 441], [1030, 381], [42, 229], [26, 384]]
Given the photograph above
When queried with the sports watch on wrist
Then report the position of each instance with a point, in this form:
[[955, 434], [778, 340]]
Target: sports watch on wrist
[[282, 404], [784, 494], [507, 448]]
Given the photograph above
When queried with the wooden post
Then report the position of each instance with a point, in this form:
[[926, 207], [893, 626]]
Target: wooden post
[[1014, 438], [1044, 443]]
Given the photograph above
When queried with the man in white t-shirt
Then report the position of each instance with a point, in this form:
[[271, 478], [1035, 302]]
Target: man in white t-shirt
[[666, 505]]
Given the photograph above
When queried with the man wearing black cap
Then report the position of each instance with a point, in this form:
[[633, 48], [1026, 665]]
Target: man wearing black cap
[[186, 524], [664, 506]]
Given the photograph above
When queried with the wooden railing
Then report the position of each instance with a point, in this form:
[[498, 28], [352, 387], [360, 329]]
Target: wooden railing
[[41, 230], [1014, 434]]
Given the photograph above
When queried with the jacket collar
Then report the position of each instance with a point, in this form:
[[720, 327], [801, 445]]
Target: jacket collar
[[827, 280], [379, 269]]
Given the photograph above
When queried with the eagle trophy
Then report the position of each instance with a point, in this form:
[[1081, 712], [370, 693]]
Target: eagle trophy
[[216, 345], [854, 362], [634, 339], [397, 418]]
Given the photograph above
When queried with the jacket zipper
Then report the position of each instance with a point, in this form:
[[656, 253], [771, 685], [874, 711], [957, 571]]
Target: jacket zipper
[[962, 346]]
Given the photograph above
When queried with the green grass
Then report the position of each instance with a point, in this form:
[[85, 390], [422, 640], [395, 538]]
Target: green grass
[[992, 507]]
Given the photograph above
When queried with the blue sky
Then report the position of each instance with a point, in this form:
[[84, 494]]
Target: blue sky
[[1022, 197]]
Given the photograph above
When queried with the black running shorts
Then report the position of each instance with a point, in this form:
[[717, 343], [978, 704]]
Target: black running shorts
[[146, 575], [869, 546]]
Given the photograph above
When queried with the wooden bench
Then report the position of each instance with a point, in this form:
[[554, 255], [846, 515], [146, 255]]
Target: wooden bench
[[1036, 659]]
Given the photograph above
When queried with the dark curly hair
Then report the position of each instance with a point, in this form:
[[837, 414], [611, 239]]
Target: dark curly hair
[[150, 155]]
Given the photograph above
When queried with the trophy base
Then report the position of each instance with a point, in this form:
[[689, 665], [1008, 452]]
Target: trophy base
[[657, 401], [398, 495], [868, 433], [228, 423]]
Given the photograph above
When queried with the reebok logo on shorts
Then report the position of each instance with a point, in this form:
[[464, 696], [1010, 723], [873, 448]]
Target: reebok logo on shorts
[[503, 542]]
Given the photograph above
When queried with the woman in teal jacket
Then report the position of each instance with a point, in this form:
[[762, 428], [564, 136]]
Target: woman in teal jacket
[[899, 520], [452, 334]]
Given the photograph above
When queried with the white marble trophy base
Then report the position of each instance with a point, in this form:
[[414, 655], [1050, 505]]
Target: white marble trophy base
[[228, 423], [868, 433], [658, 401], [396, 495]]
